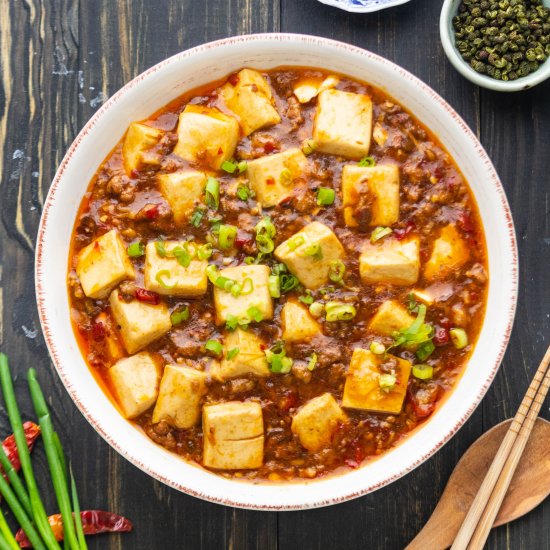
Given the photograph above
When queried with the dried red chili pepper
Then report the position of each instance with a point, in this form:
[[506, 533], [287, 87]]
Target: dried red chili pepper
[[32, 431], [147, 296], [94, 522]]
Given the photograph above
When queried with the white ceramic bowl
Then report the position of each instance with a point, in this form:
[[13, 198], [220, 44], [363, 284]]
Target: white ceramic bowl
[[446, 31], [155, 88]]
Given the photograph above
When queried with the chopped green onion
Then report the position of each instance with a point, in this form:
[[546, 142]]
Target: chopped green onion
[[179, 315], [295, 242], [182, 255], [380, 233], [232, 353], [325, 196], [265, 231], [307, 298], [266, 227], [227, 235], [277, 359], [459, 337], [308, 146], [135, 250], [377, 348], [242, 166], [412, 303], [314, 251], [336, 271], [326, 290], [367, 161], [204, 251], [244, 192], [285, 177], [212, 193], [160, 276], [232, 322], [387, 382], [312, 361], [265, 244], [274, 285], [247, 287], [214, 346], [255, 314], [215, 223], [424, 350], [316, 309], [161, 249], [423, 371], [417, 333], [288, 282], [228, 166], [338, 311], [197, 217]]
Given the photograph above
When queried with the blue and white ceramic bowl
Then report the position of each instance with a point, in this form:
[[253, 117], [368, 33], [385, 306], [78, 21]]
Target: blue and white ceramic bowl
[[363, 6]]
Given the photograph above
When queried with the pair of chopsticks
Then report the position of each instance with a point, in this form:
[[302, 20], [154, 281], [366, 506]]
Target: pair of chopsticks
[[480, 518]]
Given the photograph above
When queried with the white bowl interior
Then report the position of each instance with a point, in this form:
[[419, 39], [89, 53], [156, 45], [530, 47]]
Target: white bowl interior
[[152, 90]]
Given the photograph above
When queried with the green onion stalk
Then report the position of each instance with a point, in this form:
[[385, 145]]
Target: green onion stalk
[[39, 513], [6, 536], [59, 476], [6, 542], [15, 481]]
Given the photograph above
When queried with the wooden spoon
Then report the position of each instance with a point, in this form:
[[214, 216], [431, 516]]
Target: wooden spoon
[[529, 487]]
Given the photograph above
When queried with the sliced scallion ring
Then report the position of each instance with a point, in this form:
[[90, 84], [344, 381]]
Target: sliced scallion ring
[[336, 271], [226, 237], [338, 311], [423, 371], [459, 337], [161, 275], [212, 193], [379, 233]]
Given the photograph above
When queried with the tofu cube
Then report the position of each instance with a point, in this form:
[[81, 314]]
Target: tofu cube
[[139, 323], [298, 324], [380, 183], [450, 252], [238, 306], [103, 264], [391, 261], [273, 178], [311, 86], [182, 190], [206, 136], [316, 422], [296, 252], [250, 358], [138, 140], [362, 388], [233, 435], [251, 100], [167, 276], [343, 124], [181, 390], [390, 317], [135, 383]]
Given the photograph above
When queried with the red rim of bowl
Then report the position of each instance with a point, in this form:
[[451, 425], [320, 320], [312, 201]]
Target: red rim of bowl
[[41, 289]]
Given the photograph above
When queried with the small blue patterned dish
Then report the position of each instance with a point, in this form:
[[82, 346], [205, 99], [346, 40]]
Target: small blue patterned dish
[[363, 6]]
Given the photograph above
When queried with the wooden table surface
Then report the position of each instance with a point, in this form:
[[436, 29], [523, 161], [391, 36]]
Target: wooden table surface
[[60, 60]]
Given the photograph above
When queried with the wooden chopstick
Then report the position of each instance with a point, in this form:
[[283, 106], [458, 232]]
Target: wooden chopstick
[[480, 518]]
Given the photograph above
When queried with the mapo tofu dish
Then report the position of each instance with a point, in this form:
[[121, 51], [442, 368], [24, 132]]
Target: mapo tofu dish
[[279, 275]]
